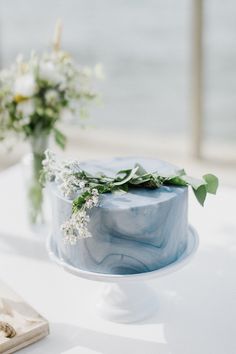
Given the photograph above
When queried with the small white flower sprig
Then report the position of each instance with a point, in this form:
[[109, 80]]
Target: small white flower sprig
[[84, 189], [71, 179]]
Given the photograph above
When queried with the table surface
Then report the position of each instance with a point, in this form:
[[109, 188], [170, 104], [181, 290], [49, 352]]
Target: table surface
[[197, 304]]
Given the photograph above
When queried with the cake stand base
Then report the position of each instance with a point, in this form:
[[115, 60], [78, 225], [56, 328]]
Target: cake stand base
[[127, 298], [125, 302]]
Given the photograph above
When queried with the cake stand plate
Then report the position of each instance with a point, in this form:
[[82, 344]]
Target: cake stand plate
[[127, 298]]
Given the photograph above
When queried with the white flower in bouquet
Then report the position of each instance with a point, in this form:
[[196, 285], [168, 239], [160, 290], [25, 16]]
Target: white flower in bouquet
[[99, 72], [26, 108], [35, 94], [49, 72], [52, 97], [25, 86]]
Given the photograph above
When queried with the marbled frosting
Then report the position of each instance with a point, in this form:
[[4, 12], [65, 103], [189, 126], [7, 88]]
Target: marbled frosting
[[140, 231]]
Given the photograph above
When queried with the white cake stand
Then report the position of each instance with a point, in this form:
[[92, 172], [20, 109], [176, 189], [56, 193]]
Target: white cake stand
[[127, 298]]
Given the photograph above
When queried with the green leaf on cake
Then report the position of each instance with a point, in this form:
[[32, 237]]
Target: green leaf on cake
[[177, 181], [141, 179], [194, 182], [129, 175], [136, 177], [80, 200], [200, 194], [140, 171], [208, 184], [176, 173], [103, 188], [212, 183], [181, 172]]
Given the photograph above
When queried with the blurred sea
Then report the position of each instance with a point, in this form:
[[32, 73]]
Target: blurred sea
[[145, 48]]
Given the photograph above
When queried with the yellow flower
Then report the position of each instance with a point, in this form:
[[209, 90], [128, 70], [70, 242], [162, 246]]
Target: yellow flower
[[19, 98]]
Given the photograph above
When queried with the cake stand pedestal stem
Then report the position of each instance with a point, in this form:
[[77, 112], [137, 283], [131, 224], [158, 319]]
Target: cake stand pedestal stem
[[127, 302]]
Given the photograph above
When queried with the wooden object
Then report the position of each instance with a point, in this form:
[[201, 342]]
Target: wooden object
[[197, 78], [29, 326]]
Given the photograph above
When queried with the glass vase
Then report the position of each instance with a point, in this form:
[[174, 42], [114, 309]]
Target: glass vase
[[32, 165]]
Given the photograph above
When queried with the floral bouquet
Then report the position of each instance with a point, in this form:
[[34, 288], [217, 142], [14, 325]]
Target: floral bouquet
[[35, 95]]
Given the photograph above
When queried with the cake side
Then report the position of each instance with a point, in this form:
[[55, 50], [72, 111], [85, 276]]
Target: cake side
[[140, 231]]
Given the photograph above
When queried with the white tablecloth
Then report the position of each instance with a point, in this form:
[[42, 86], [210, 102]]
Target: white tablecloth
[[197, 305]]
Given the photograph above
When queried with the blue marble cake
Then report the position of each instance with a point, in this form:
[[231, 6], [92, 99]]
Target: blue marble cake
[[140, 231]]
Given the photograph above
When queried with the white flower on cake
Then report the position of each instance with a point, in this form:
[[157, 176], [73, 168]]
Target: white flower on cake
[[69, 184], [78, 223], [76, 227], [69, 231]]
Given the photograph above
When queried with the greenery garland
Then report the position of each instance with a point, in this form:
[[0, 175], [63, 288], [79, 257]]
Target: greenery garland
[[71, 179], [138, 177]]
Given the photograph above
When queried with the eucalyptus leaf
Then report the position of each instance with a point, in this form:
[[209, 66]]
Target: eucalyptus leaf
[[102, 188], [180, 172], [141, 179], [124, 172], [194, 182], [177, 181], [200, 194], [124, 187], [140, 171], [127, 178], [176, 173], [212, 183]]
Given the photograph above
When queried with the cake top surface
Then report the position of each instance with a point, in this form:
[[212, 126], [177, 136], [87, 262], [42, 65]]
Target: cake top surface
[[111, 166], [135, 197]]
